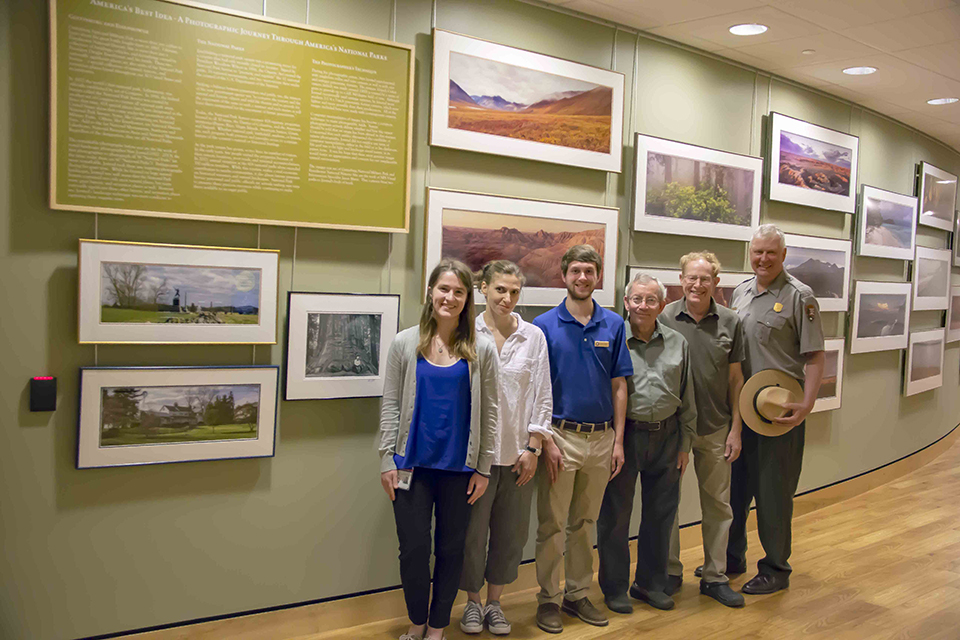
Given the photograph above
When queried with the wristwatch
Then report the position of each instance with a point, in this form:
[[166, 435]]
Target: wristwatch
[[534, 450]]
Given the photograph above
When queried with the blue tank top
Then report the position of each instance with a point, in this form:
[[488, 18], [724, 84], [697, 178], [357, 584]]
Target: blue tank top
[[440, 424]]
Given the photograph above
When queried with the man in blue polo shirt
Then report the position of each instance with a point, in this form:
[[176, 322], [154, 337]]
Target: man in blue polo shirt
[[589, 363]]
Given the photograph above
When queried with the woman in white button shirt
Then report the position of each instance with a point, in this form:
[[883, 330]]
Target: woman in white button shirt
[[502, 514]]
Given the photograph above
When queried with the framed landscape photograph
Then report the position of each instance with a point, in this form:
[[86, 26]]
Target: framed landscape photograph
[[953, 315], [937, 192], [670, 278], [887, 224], [695, 191], [154, 415], [829, 396], [931, 278], [924, 368], [337, 344], [492, 98], [477, 228], [823, 265], [956, 241], [881, 316], [812, 165], [132, 292]]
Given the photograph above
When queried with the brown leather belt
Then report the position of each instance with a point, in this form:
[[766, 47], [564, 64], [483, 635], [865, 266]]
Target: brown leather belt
[[582, 427], [652, 426]]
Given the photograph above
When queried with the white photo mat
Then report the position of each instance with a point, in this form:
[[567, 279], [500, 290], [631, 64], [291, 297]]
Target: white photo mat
[[440, 199], [445, 42], [886, 341], [800, 195], [864, 248], [911, 386], [300, 386], [642, 221], [937, 219], [829, 403], [953, 335], [93, 253], [93, 379], [826, 244], [941, 299], [671, 277], [956, 239]]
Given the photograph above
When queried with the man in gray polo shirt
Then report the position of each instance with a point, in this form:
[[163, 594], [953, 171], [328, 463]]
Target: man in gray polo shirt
[[715, 338], [781, 329]]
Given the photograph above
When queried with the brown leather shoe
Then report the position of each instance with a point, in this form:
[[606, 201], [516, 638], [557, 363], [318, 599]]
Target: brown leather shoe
[[548, 618], [585, 610]]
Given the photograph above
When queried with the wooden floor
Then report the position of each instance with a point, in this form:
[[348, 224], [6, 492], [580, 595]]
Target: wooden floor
[[882, 564]]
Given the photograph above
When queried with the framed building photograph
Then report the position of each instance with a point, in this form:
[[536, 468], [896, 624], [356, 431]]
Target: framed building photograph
[[931, 278], [937, 192], [337, 344], [477, 228], [887, 224], [492, 98], [953, 314], [829, 396], [812, 165], [134, 292], [670, 278], [881, 316], [924, 363], [688, 190], [155, 415], [823, 264]]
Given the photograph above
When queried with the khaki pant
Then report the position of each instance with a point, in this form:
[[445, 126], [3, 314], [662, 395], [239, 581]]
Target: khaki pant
[[574, 499], [713, 477]]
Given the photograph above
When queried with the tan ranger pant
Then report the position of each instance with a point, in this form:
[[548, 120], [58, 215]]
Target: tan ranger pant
[[713, 477], [567, 511]]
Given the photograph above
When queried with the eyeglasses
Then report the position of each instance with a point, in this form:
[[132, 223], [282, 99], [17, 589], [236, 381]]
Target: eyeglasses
[[698, 279], [650, 301]]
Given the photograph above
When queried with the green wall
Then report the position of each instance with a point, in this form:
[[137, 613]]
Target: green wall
[[105, 550]]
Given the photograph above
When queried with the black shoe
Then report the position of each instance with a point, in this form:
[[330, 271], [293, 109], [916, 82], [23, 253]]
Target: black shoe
[[764, 583], [619, 604], [735, 571], [673, 584], [656, 599], [722, 593]]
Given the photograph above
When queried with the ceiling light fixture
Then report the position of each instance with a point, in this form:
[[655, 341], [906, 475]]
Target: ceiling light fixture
[[859, 71], [943, 100], [752, 29]]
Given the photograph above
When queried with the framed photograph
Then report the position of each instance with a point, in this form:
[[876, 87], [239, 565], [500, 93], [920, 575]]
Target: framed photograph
[[887, 224], [337, 344], [695, 191], [155, 415], [829, 396], [953, 314], [937, 192], [881, 316], [671, 280], [931, 278], [492, 98], [956, 241], [924, 370], [812, 165], [823, 265], [133, 292], [477, 228]]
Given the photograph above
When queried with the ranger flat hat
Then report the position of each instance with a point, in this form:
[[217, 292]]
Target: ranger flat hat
[[762, 400]]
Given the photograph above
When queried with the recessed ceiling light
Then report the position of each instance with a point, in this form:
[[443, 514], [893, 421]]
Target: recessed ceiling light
[[808, 52], [748, 29], [859, 71], [943, 100]]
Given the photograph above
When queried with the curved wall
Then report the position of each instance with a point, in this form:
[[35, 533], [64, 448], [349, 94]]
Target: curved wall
[[105, 550]]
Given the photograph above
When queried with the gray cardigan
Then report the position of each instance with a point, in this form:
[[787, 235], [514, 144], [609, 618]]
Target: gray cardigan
[[399, 391]]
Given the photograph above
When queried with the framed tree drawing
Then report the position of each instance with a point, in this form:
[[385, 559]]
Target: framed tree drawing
[[887, 224], [937, 192], [822, 264], [924, 363], [931, 278], [881, 316], [670, 278]]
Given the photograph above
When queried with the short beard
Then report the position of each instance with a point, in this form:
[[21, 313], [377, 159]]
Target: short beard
[[572, 293]]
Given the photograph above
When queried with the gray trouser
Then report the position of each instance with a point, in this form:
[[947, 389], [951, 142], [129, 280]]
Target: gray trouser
[[503, 511], [713, 477]]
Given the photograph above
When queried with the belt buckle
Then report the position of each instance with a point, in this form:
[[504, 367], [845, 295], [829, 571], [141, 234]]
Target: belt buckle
[[579, 426], [659, 425]]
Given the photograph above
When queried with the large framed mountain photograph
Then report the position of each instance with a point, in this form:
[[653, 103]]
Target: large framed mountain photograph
[[492, 98], [823, 264]]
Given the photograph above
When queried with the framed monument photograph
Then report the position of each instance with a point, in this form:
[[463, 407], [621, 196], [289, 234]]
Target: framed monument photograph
[[688, 190], [155, 415], [133, 292], [887, 224], [670, 278], [477, 228], [924, 362], [492, 98], [931, 278], [812, 165], [829, 395], [881, 316], [953, 314], [937, 192], [823, 264], [337, 344]]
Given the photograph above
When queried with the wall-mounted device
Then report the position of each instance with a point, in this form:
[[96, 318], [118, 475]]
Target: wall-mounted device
[[43, 393]]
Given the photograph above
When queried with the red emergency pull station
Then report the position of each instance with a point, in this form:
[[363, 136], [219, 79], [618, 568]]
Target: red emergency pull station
[[43, 393]]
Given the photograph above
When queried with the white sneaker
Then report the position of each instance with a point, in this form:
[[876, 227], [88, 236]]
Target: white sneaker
[[472, 620], [497, 623], [410, 636]]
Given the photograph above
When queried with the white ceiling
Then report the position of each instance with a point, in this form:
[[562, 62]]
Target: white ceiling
[[914, 44]]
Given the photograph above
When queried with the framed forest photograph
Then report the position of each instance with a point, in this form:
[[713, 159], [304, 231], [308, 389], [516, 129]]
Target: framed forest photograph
[[937, 192], [823, 264], [670, 278], [337, 344], [829, 396], [924, 362], [887, 224], [881, 316]]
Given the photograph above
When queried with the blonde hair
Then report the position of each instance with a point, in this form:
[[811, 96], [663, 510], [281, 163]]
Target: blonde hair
[[706, 256], [464, 339]]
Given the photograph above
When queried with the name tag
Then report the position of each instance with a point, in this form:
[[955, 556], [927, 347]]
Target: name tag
[[601, 343]]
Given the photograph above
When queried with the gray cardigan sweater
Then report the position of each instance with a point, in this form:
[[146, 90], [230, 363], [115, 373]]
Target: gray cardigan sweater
[[399, 391]]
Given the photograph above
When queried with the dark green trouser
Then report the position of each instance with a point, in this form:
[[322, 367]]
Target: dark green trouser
[[768, 469]]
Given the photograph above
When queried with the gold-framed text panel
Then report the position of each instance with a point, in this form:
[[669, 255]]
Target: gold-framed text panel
[[176, 109]]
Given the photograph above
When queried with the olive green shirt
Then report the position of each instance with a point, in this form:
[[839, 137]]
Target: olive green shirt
[[715, 343], [781, 325], [659, 385]]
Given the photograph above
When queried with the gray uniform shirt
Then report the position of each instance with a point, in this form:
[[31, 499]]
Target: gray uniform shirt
[[780, 325], [660, 385], [715, 342]]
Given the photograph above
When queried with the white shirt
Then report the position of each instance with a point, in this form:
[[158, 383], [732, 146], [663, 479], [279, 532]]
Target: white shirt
[[525, 393]]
